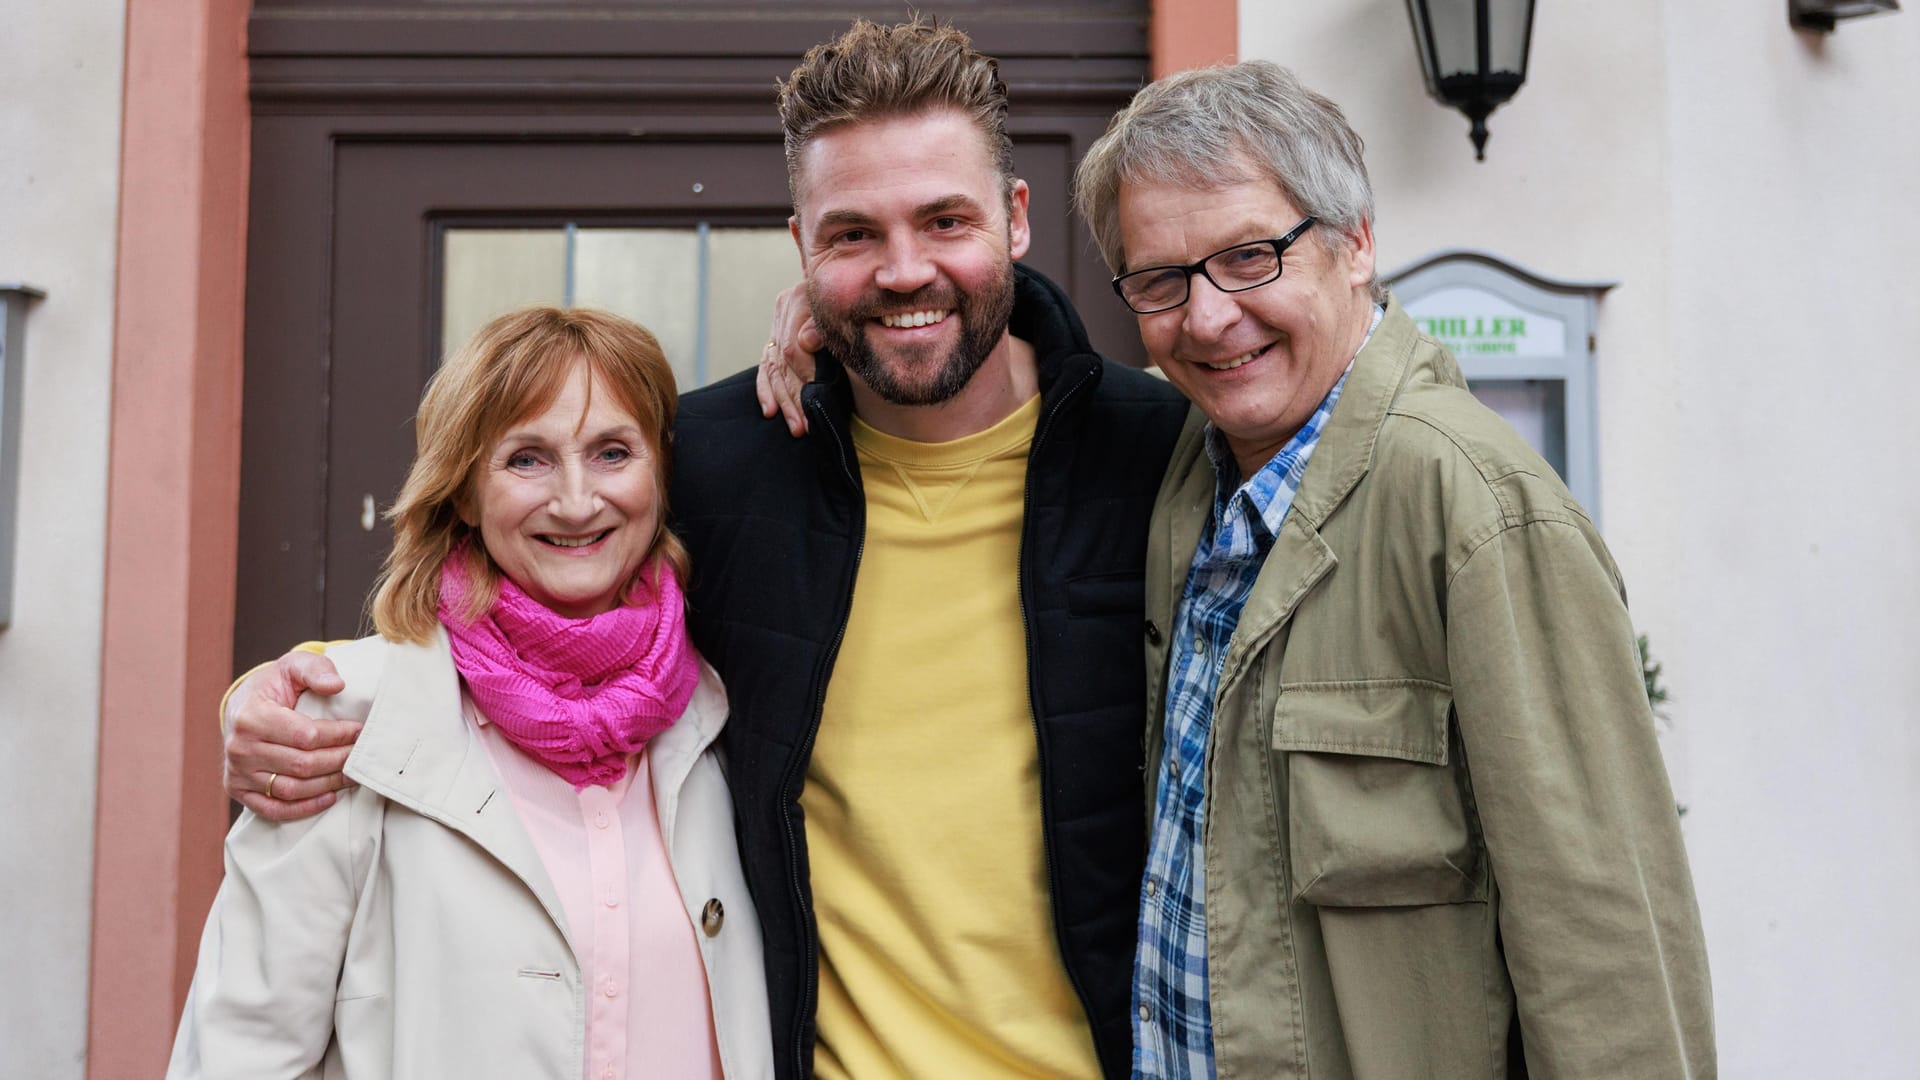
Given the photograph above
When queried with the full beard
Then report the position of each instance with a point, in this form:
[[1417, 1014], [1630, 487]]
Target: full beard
[[983, 315]]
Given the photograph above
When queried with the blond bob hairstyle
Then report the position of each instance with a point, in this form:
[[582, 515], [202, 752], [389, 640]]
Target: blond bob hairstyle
[[513, 368]]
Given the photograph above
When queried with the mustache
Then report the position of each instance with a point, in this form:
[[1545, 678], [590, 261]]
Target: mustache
[[883, 301]]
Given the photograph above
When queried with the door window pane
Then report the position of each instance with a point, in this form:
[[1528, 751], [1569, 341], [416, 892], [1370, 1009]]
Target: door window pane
[[747, 267], [705, 292], [490, 272], [650, 276]]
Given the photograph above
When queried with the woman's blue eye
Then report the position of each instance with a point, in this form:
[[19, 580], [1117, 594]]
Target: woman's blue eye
[[615, 454], [522, 460]]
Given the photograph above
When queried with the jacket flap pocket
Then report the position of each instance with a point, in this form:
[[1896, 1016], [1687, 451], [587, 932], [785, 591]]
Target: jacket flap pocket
[[1396, 718], [1375, 816]]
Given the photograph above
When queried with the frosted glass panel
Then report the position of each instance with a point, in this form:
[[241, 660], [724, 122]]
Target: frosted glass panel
[[490, 272], [650, 276], [748, 268], [1537, 410], [1453, 36]]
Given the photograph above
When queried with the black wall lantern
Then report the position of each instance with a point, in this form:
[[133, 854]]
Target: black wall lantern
[[1474, 53], [1822, 15]]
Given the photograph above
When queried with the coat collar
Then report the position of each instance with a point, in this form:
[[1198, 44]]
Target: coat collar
[[1345, 452], [418, 751], [1299, 559]]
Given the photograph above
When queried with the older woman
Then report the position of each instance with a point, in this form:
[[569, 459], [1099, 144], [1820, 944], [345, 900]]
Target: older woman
[[537, 875]]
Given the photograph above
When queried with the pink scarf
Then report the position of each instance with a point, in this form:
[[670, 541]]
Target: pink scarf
[[578, 695]]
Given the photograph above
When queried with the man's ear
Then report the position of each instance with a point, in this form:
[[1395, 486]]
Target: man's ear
[[1019, 236], [1360, 241], [793, 230]]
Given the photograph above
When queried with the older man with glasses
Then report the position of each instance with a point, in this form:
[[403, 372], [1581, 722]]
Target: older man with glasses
[[1408, 814]]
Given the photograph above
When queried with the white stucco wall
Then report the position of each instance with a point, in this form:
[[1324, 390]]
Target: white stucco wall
[[60, 93], [1794, 166], [1750, 189]]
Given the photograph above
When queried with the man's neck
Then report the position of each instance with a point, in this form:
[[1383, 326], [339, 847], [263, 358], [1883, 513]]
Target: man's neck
[[1008, 378]]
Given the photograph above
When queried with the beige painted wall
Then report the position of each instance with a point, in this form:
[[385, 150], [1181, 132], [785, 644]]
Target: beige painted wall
[[1750, 190], [60, 90]]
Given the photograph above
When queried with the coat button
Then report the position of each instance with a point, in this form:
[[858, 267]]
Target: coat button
[[712, 916], [1153, 633]]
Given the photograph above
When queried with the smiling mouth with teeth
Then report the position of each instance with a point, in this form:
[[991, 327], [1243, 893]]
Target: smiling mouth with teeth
[[575, 541], [907, 320], [1229, 365]]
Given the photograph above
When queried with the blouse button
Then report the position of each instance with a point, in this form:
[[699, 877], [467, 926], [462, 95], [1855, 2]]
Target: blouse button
[[711, 916], [600, 820]]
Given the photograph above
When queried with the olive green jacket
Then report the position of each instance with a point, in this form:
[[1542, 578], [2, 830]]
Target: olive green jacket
[[1434, 798]]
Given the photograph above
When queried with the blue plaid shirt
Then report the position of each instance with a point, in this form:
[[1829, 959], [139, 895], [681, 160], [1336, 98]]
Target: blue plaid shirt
[[1173, 1023]]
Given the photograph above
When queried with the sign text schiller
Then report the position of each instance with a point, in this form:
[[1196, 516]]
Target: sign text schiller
[[1472, 322]]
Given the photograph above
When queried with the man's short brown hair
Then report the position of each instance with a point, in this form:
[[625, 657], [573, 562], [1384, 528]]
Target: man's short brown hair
[[873, 72]]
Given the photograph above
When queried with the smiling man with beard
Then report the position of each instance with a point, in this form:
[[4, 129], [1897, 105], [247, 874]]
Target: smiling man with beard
[[935, 372], [927, 612]]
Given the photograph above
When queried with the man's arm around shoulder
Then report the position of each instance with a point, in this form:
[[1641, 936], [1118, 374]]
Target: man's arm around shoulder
[[279, 763]]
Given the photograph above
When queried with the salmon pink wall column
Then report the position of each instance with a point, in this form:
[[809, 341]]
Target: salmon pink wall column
[[1193, 33], [172, 508]]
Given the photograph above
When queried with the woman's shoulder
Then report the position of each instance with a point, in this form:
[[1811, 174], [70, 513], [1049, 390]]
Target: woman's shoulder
[[361, 665]]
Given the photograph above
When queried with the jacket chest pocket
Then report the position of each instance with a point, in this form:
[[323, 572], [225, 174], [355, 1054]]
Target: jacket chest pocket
[[1375, 814]]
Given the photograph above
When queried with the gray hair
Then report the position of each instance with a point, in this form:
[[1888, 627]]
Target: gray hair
[[1227, 125]]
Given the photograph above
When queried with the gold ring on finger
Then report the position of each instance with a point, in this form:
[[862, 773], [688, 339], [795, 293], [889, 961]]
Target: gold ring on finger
[[271, 777]]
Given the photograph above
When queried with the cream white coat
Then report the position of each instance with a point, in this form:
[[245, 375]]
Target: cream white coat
[[411, 930]]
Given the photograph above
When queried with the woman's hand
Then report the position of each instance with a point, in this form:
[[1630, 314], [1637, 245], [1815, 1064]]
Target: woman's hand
[[280, 764], [786, 363]]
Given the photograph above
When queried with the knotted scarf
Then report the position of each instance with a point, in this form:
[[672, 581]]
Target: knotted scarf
[[578, 695]]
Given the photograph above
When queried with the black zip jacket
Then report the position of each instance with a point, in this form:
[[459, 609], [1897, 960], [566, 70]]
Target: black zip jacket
[[776, 526]]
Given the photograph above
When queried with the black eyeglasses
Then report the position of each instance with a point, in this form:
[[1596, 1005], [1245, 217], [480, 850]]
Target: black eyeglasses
[[1235, 269]]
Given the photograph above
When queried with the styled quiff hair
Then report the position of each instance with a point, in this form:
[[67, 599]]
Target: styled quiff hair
[[875, 72], [1216, 126], [513, 368]]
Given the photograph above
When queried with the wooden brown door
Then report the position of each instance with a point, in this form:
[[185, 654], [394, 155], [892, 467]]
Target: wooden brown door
[[376, 142]]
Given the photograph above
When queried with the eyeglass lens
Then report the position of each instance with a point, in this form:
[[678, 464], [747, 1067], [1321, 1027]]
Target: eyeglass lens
[[1234, 269]]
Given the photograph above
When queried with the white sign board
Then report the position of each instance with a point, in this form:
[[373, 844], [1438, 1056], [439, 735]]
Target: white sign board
[[1474, 322], [1525, 344]]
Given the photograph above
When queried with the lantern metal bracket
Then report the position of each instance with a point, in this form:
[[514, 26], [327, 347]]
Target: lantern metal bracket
[[1822, 16]]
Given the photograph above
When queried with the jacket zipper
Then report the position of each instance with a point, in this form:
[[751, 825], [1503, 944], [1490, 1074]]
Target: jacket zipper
[[1033, 705], [787, 793]]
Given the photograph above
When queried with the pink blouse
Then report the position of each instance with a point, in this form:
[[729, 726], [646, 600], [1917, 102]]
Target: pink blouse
[[648, 1008]]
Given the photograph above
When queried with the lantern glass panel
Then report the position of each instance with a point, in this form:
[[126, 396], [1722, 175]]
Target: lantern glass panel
[[1422, 39], [1450, 22], [1510, 28]]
